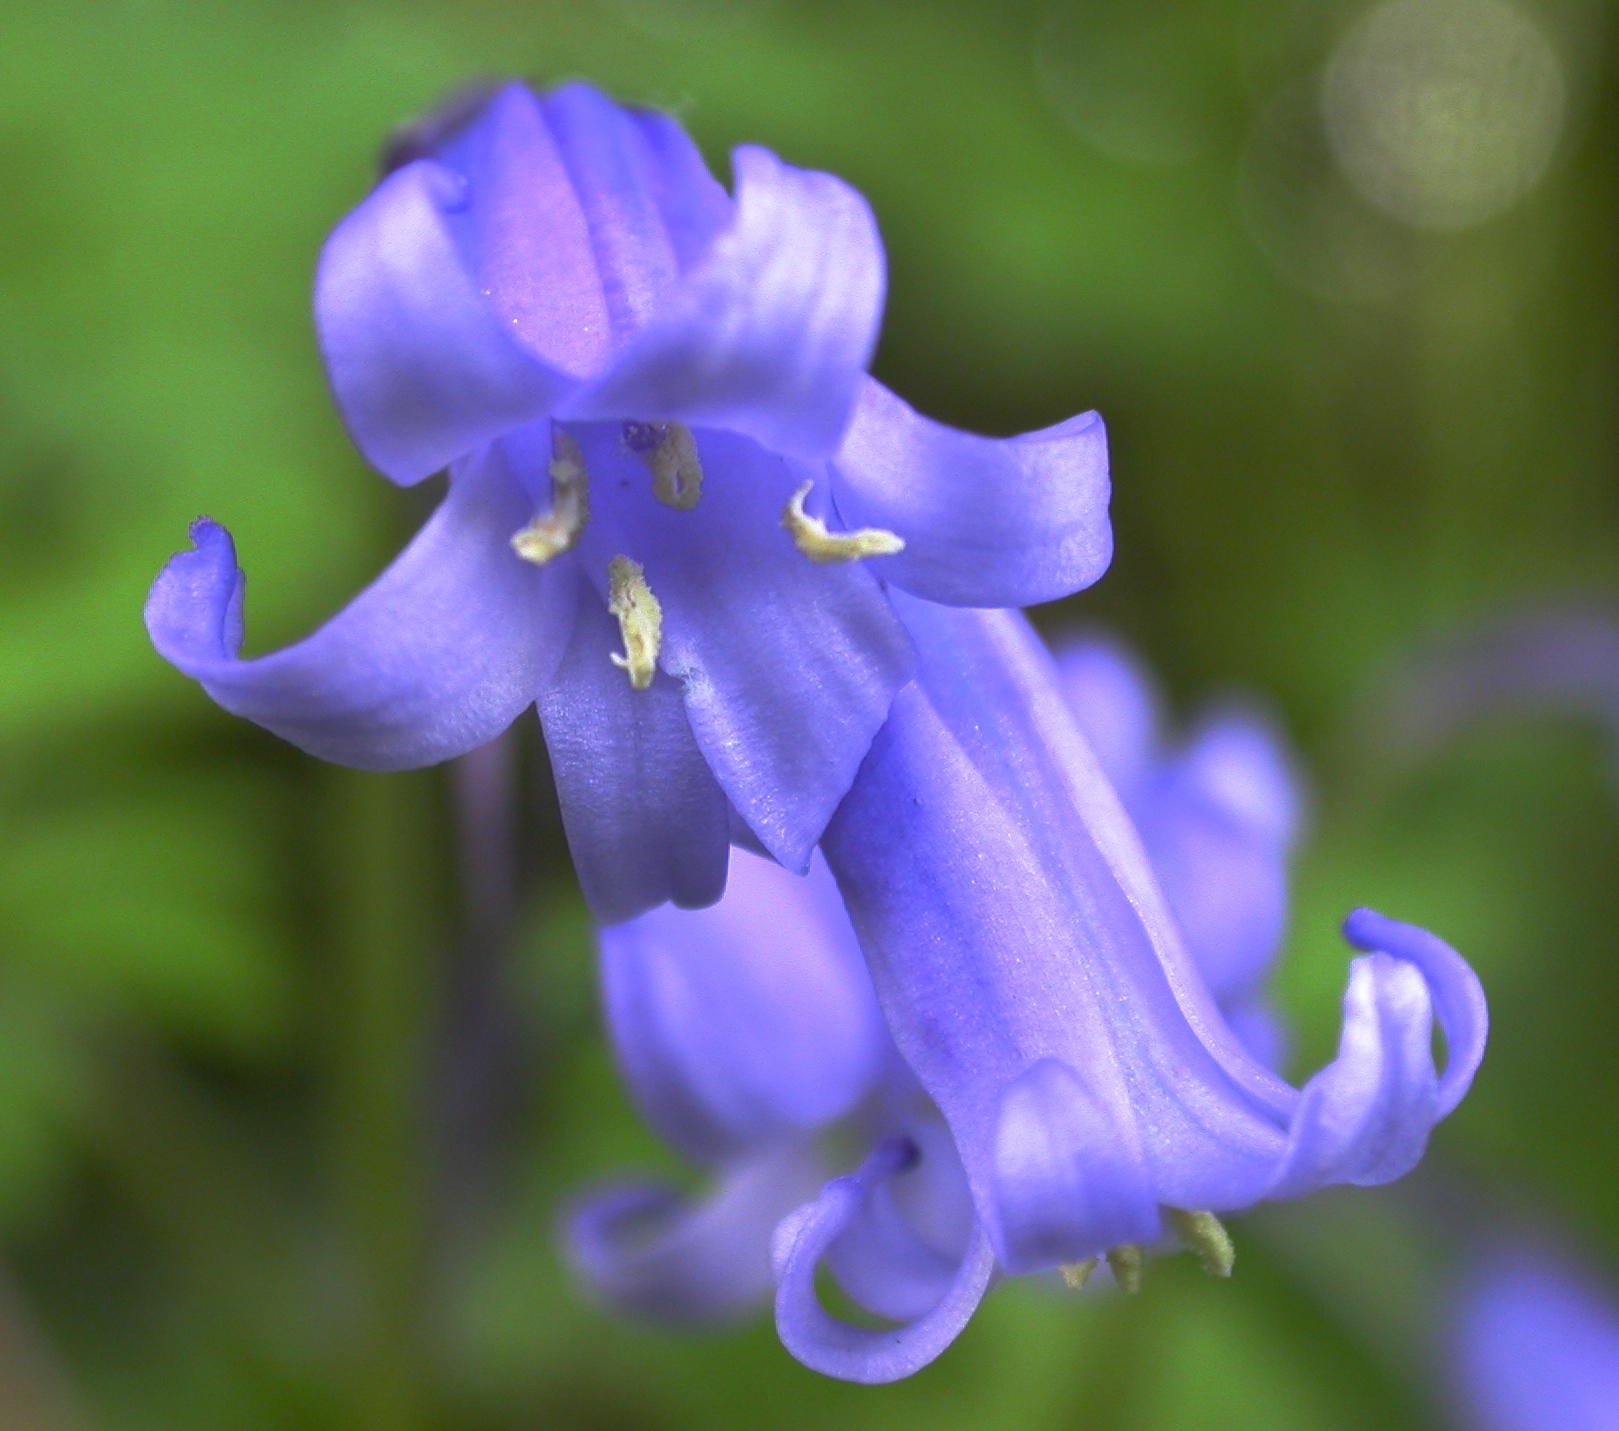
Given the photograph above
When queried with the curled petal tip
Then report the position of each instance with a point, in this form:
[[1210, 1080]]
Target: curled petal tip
[[1458, 996], [859, 1354]]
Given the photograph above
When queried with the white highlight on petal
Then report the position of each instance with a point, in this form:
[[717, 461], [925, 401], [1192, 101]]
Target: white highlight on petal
[[640, 620], [811, 537], [556, 532]]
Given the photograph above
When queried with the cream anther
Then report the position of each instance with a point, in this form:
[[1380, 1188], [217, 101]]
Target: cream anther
[[550, 535], [811, 537], [1076, 1274], [640, 620], [1204, 1234], [670, 452], [1125, 1263]]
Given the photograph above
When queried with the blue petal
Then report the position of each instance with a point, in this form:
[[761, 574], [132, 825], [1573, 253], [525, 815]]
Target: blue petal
[[645, 1251], [986, 522], [1226, 888], [858, 1354], [1070, 1179], [1238, 763], [1260, 1030], [1365, 1117], [693, 203], [788, 667], [423, 368], [770, 334], [645, 821], [1535, 1345], [612, 169], [438, 656], [746, 1022], [1115, 705], [525, 235], [1553, 658]]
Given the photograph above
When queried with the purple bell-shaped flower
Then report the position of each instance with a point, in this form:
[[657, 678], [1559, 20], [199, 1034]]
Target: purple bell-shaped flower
[[743, 1030], [1035, 982], [668, 474]]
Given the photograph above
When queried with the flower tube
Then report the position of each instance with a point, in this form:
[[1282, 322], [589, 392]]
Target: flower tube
[[1034, 981]]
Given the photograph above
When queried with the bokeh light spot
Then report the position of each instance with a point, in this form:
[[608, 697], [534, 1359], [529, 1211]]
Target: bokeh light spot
[[1444, 113]]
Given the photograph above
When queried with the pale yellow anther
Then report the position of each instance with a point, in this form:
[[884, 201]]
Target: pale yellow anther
[[1204, 1234], [640, 620], [1076, 1274], [550, 535], [677, 471], [811, 537], [1125, 1262]]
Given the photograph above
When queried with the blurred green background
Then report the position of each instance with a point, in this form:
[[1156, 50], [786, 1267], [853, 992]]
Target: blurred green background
[[232, 982]]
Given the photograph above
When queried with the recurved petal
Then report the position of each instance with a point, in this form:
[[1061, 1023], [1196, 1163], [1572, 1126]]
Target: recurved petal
[[422, 367], [645, 1251], [770, 333], [746, 1022], [866, 1355], [899, 1254], [644, 819], [788, 667], [1365, 1118], [1458, 997], [986, 522], [438, 656]]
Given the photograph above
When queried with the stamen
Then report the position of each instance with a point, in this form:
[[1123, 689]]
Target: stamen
[[670, 451], [1076, 1274], [640, 620], [811, 537], [556, 532], [1125, 1261], [1204, 1234]]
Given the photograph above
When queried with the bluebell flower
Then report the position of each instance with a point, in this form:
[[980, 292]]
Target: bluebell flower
[[750, 1039], [1033, 979], [668, 473], [743, 1031], [1218, 813], [1560, 659], [1534, 1345]]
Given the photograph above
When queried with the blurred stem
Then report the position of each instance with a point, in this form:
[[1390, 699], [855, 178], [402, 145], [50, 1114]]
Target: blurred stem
[[196, 1186], [34, 1393], [385, 870], [480, 1035]]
